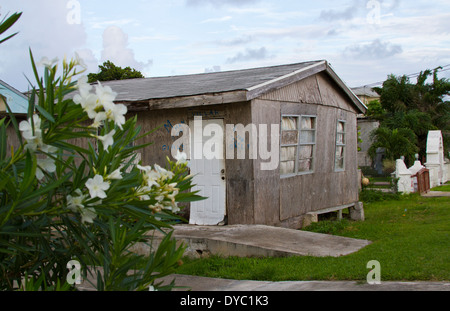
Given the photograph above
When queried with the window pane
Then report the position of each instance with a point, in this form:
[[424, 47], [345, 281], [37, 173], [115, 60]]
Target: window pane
[[305, 165], [289, 137], [308, 123], [287, 167], [288, 153], [339, 151], [339, 163], [289, 123], [340, 138], [307, 136], [341, 127], [305, 152]]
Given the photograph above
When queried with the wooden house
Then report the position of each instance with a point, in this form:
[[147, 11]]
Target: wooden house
[[293, 148], [314, 114]]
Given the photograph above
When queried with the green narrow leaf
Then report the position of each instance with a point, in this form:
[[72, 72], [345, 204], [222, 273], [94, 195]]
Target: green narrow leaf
[[36, 75], [45, 114], [31, 103], [45, 189], [29, 174], [6, 23]]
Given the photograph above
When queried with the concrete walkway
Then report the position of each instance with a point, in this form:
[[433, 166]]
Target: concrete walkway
[[436, 194], [261, 240], [198, 283]]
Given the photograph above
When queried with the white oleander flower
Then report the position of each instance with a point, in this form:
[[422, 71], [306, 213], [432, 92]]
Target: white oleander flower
[[181, 157], [107, 139], [46, 62], [79, 61], [115, 175], [165, 174], [151, 177], [83, 86], [97, 187], [106, 95], [116, 113], [75, 203], [88, 214], [47, 165], [34, 141]]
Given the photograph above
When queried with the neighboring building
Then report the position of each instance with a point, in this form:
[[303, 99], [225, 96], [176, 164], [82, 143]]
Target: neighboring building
[[315, 118], [17, 101], [365, 94], [365, 128]]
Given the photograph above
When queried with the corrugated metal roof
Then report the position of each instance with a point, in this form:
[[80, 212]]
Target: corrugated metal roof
[[249, 83], [196, 84]]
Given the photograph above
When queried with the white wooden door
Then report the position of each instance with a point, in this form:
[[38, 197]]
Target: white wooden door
[[209, 177]]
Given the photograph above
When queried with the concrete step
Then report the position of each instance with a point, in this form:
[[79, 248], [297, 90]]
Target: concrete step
[[259, 240]]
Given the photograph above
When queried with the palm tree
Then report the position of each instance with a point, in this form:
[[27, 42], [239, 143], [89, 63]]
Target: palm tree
[[396, 142]]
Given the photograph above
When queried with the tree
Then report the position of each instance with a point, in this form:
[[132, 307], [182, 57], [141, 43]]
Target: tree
[[418, 107], [109, 71], [396, 142]]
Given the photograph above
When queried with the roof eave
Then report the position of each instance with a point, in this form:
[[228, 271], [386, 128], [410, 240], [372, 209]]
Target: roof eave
[[303, 73], [258, 90], [355, 99]]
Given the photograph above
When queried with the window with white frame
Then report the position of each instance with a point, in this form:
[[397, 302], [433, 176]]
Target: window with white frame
[[298, 140], [339, 158]]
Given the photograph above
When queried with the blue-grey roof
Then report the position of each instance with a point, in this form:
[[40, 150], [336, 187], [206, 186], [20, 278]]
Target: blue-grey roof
[[17, 101]]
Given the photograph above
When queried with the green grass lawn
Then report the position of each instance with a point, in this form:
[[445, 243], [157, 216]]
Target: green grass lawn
[[445, 187], [411, 240]]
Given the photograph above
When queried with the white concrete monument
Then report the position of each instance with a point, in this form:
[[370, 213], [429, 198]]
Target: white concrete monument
[[435, 158], [405, 183]]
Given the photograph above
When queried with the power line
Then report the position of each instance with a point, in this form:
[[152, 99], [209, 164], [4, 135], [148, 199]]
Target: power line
[[411, 75]]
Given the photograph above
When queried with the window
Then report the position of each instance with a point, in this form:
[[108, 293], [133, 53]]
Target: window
[[298, 140], [339, 158]]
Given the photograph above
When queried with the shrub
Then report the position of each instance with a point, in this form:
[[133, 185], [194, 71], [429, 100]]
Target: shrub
[[90, 202]]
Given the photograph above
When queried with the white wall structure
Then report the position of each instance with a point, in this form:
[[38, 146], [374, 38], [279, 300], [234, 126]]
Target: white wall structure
[[435, 158], [405, 183]]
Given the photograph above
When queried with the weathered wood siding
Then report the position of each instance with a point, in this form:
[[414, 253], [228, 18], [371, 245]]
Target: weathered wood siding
[[324, 187], [11, 138], [267, 182], [239, 173]]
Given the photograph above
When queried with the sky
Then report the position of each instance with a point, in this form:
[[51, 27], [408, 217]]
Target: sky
[[363, 40]]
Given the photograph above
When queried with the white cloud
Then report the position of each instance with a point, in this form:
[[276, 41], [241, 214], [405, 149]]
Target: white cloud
[[248, 55], [219, 3], [373, 50], [117, 22], [43, 28], [216, 20], [116, 50]]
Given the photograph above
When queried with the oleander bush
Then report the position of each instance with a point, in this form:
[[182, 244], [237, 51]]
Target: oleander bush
[[74, 191]]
